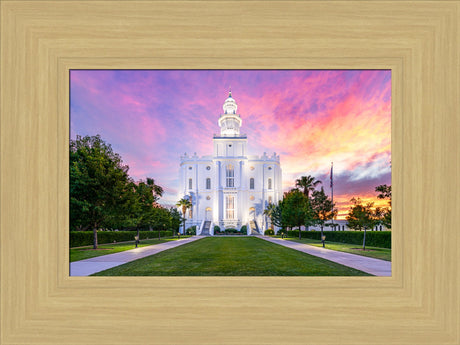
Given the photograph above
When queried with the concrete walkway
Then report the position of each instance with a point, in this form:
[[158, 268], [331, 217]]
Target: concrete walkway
[[100, 263], [373, 266]]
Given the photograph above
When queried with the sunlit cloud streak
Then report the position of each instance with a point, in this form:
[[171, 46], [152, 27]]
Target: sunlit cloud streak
[[310, 118]]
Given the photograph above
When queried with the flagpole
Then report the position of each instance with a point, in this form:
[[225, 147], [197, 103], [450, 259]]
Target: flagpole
[[332, 193]]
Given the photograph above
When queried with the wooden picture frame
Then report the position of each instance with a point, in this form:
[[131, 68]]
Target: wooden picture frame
[[42, 40]]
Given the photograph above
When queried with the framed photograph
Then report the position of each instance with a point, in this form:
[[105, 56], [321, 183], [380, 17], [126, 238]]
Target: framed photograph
[[42, 41]]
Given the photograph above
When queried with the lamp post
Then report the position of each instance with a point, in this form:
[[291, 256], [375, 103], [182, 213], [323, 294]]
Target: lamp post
[[323, 238], [137, 235]]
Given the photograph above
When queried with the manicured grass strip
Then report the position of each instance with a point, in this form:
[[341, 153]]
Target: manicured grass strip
[[372, 252], [82, 253], [231, 256]]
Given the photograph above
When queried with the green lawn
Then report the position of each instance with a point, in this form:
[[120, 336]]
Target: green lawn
[[373, 252], [88, 252], [231, 256]]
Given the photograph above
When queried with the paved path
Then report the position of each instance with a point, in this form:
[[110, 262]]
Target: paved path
[[101, 263], [373, 266]]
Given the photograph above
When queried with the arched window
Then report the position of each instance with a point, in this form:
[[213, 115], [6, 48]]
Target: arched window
[[252, 213], [230, 174], [269, 183], [189, 183], [251, 183], [230, 207], [208, 183], [208, 213]]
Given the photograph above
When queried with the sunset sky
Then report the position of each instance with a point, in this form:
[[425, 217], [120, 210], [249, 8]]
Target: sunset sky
[[310, 117]]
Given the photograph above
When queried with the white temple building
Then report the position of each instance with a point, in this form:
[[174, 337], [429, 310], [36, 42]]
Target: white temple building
[[230, 188]]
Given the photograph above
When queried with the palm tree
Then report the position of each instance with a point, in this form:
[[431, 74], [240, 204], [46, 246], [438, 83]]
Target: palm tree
[[269, 212], [274, 213], [157, 190], [308, 184], [185, 204]]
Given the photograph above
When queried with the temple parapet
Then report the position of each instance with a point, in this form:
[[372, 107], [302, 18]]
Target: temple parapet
[[190, 158], [225, 136], [265, 157]]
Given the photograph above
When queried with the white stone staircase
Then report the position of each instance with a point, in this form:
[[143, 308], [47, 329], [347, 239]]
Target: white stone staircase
[[205, 229]]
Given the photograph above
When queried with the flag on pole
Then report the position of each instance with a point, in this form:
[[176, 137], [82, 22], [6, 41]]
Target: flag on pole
[[332, 178]]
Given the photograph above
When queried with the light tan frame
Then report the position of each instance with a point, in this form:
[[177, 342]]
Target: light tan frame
[[42, 40]]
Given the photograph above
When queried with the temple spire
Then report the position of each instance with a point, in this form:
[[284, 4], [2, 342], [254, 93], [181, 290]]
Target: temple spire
[[230, 121]]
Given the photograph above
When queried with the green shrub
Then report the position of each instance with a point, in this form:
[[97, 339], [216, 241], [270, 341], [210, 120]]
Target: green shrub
[[85, 238], [231, 231], [380, 239], [191, 230], [216, 228], [244, 229], [269, 232]]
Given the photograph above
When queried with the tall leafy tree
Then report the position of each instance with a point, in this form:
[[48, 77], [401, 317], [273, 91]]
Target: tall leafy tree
[[386, 221], [323, 209], [379, 216], [161, 219], [296, 210], [385, 193], [184, 204], [99, 184], [307, 184], [143, 208], [361, 217], [176, 219]]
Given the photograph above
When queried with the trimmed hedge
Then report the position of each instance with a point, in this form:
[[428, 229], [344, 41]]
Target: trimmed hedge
[[230, 231], [85, 238], [269, 232], [380, 239]]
